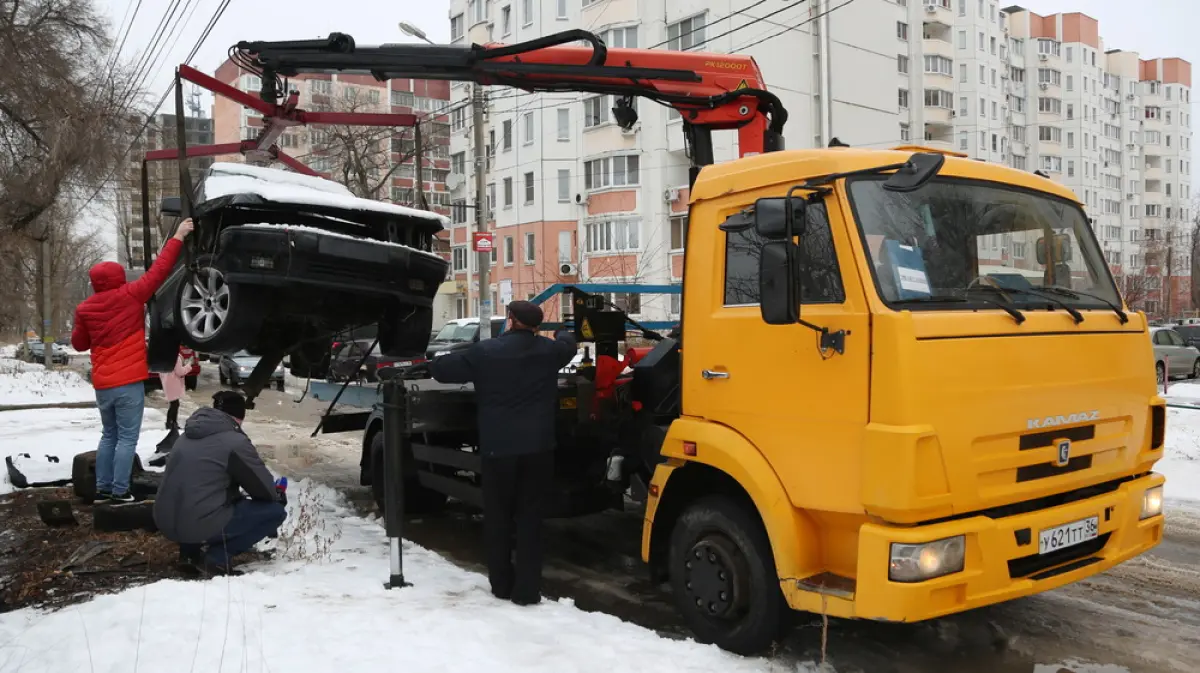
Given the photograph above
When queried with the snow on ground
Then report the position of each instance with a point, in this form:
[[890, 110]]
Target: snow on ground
[[8, 351], [31, 437], [329, 611], [31, 383], [1181, 460]]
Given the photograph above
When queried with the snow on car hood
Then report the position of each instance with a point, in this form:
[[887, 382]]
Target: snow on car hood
[[272, 184], [338, 234]]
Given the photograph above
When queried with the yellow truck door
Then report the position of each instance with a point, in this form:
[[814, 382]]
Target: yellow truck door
[[804, 408]]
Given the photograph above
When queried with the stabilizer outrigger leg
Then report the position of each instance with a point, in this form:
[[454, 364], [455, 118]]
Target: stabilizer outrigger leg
[[261, 376]]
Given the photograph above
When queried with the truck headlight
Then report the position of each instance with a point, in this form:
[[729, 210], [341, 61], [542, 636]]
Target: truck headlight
[[1152, 502], [920, 562]]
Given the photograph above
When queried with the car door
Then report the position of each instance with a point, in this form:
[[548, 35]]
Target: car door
[[1182, 357]]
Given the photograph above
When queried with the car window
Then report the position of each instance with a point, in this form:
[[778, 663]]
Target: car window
[[1176, 340], [1160, 338]]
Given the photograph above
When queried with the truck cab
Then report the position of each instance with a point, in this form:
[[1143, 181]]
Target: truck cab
[[909, 388]]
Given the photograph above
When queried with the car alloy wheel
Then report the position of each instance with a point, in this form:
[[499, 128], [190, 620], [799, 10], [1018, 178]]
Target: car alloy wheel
[[204, 304]]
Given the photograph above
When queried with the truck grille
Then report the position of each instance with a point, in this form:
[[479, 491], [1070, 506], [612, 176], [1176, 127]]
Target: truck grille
[[1044, 470], [1035, 563], [1037, 440]]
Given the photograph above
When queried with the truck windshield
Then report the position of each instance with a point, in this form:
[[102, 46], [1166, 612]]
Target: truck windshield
[[932, 248]]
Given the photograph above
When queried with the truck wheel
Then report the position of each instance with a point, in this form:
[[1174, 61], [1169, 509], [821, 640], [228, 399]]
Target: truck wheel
[[215, 316], [417, 498], [723, 576], [404, 331]]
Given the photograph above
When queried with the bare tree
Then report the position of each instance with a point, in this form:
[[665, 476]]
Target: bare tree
[[65, 114]]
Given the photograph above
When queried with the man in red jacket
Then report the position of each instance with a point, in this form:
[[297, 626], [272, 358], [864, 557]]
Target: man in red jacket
[[111, 324]]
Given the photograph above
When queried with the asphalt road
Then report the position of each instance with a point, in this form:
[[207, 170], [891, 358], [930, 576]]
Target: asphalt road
[[1141, 616]]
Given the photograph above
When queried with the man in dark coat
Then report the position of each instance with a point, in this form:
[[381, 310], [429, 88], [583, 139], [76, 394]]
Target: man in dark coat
[[199, 503], [516, 392]]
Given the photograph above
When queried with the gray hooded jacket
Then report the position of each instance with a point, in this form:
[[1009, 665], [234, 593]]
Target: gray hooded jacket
[[208, 465]]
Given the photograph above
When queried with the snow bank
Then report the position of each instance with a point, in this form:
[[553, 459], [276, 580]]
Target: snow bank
[[1181, 459], [332, 613], [29, 383], [336, 234], [43, 442], [9, 351], [280, 186]]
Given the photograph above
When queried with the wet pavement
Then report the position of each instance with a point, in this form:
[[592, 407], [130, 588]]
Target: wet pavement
[[1143, 616]]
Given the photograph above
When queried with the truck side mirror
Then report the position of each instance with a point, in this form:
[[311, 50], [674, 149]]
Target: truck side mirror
[[778, 293], [920, 168], [770, 217], [1062, 248], [171, 205]]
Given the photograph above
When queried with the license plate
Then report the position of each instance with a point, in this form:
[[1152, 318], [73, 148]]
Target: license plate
[[1068, 535]]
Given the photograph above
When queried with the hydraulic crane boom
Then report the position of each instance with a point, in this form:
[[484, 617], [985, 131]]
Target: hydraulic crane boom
[[711, 91]]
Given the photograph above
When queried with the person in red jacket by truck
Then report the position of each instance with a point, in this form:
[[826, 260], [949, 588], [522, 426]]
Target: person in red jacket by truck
[[111, 324]]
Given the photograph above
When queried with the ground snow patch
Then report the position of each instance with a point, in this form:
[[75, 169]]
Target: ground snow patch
[[30, 383], [8, 351], [1181, 457], [332, 613], [44, 442]]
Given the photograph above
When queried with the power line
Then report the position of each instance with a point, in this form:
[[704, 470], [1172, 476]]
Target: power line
[[710, 23], [115, 55], [759, 20], [791, 28]]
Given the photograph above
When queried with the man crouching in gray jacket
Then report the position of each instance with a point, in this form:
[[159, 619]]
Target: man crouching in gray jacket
[[199, 504]]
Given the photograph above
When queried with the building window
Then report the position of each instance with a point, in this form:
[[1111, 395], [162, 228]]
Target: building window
[[564, 186], [508, 251], [506, 20], [902, 30], [905, 133], [564, 247], [401, 98], [939, 98], [530, 249], [962, 73], [1049, 76], [506, 135], [962, 39], [459, 255], [458, 119], [983, 107], [563, 116], [1050, 134], [678, 233], [456, 28], [686, 34], [938, 65], [903, 99], [458, 211], [562, 9], [616, 235], [619, 171], [1048, 47], [458, 163], [527, 120], [963, 140], [528, 188], [621, 38], [1050, 105], [527, 12], [320, 86], [1051, 163], [902, 64], [820, 279], [595, 111], [508, 192]]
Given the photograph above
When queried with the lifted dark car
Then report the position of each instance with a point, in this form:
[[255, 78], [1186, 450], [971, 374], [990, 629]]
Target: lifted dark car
[[279, 262]]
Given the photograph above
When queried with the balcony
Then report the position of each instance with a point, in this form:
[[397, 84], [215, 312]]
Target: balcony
[[937, 12], [938, 46], [938, 116]]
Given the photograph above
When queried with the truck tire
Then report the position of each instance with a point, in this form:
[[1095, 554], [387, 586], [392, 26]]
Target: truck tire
[[215, 316], [405, 331], [723, 576], [417, 498]]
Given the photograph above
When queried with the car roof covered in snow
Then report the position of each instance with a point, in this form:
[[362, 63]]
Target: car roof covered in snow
[[235, 184]]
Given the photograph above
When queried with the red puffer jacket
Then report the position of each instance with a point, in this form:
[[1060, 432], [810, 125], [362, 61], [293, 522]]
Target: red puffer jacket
[[112, 323]]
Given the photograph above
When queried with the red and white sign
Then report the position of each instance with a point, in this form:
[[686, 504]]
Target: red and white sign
[[481, 241]]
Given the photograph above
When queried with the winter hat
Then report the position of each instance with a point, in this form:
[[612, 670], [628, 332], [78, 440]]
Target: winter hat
[[231, 403], [525, 312]]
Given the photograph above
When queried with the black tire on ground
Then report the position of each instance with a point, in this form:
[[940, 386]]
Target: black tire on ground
[[723, 576], [279, 386], [244, 307], [1195, 370], [118, 518], [1160, 372], [189, 382], [417, 498], [162, 344], [404, 331], [83, 474]]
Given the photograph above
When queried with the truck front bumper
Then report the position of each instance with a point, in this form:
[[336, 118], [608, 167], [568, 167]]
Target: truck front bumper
[[1001, 560]]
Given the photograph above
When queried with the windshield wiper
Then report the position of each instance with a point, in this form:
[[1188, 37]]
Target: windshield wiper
[[1016, 315], [1075, 315], [1076, 294]]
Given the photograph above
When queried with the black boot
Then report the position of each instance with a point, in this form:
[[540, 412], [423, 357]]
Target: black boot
[[173, 415]]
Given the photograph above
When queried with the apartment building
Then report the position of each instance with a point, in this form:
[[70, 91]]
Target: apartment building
[[162, 180], [572, 197], [1005, 84]]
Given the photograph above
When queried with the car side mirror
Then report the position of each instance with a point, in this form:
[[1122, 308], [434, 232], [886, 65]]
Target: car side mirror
[[778, 295], [171, 205], [771, 217]]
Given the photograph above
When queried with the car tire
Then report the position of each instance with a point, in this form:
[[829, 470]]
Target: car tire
[[1195, 369], [723, 576], [215, 316], [1160, 372], [404, 331], [417, 498]]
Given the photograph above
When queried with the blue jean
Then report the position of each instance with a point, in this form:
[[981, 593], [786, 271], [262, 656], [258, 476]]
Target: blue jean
[[252, 521], [121, 411]]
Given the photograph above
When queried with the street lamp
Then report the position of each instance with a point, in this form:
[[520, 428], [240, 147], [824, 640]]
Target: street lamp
[[409, 29]]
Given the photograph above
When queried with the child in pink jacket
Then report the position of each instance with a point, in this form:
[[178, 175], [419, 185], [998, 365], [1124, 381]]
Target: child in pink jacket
[[173, 384]]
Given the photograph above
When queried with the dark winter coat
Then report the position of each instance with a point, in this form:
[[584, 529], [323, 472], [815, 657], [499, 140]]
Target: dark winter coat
[[209, 463], [516, 388], [112, 322]]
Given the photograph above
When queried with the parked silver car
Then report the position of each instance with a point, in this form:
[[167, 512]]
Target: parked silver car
[[1172, 356]]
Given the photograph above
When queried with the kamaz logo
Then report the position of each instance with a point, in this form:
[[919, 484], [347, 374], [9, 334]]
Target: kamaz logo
[[1055, 421]]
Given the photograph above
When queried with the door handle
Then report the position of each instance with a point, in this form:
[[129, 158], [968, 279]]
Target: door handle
[[709, 375]]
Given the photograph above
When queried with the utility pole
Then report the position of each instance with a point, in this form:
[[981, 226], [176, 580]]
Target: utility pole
[[483, 259], [1167, 290], [419, 151]]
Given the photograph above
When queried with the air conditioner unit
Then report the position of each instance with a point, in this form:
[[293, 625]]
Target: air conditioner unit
[[1130, 146], [631, 130], [581, 199], [954, 113], [1043, 57], [1129, 196], [1043, 86], [930, 8], [1130, 97], [568, 269], [670, 195]]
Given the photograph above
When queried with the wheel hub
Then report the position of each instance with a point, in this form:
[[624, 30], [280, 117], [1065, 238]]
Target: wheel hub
[[204, 303], [715, 577]]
